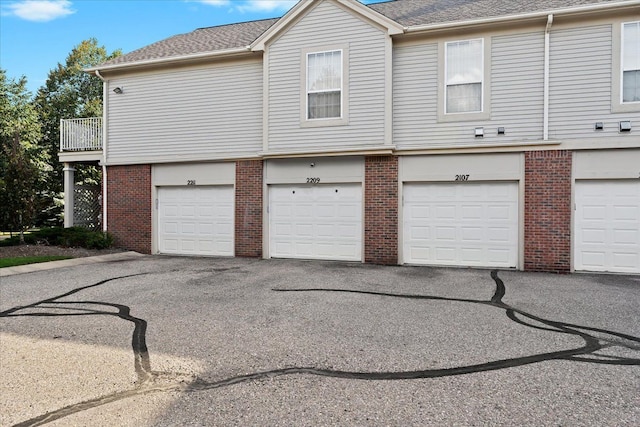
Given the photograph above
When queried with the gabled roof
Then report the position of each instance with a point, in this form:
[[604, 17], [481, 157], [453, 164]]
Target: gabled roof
[[394, 15], [391, 26]]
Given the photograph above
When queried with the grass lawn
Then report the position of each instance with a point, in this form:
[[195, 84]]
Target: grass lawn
[[23, 260]]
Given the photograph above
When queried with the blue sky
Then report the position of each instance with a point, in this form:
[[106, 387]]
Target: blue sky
[[35, 35]]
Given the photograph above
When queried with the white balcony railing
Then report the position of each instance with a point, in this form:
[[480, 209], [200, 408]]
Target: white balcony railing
[[81, 134]]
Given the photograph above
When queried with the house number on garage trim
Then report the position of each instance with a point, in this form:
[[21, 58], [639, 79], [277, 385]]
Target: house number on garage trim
[[462, 178], [313, 180], [191, 182]]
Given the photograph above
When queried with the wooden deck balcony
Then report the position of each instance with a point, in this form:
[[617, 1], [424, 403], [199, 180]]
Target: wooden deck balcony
[[80, 139]]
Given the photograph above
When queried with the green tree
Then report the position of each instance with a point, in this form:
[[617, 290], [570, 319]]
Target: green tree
[[23, 165], [69, 92]]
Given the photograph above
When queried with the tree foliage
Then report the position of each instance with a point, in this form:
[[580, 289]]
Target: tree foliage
[[23, 165], [68, 93]]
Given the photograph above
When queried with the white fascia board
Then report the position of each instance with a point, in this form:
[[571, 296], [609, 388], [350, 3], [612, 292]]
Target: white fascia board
[[392, 27], [523, 16], [172, 59]]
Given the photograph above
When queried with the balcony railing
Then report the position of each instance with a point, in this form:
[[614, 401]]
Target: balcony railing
[[81, 134]]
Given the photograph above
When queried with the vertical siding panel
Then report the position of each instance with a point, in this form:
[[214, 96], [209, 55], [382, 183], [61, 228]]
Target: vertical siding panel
[[201, 113], [324, 26]]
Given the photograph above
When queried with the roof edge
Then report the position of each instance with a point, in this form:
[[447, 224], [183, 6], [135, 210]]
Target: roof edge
[[523, 16], [172, 59]]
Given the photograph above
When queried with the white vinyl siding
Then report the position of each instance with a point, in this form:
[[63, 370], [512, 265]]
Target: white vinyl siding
[[464, 71], [324, 85], [581, 84], [203, 113], [516, 101], [327, 25], [631, 62]]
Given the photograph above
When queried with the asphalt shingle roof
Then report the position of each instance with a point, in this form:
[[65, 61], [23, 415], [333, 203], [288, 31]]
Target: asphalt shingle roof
[[202, 40], [405, 12], [424, 12]]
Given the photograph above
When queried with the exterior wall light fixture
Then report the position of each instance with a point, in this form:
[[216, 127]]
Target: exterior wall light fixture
[[479, 132], [118, 90]]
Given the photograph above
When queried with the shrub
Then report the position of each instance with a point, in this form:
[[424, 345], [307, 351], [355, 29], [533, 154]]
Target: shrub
[[68, 237]]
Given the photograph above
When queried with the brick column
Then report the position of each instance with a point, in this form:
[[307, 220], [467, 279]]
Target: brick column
[[129, 206], [381, 210], [248, 221], [547, 215]]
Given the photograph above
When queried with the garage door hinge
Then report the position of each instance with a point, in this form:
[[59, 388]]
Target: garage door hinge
[[156, 204], [267, 208]]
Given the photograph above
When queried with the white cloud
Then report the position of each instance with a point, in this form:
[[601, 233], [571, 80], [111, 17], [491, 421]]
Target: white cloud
[[252, 5], [266, 5], [39, 10]]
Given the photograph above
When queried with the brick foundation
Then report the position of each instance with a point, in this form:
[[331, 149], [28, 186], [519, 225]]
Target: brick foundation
[[381, 210], [547, 207], [129, 206], [248, 220]]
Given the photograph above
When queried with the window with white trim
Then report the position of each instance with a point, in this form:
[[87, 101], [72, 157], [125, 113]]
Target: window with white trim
[[324, 85], [464, 75], [631, 62]]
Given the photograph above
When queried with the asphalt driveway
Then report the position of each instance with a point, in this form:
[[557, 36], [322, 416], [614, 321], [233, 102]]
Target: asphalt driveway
[[164, 341]]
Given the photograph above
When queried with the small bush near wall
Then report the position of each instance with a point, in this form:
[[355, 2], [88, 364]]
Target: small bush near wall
[[67, 237]]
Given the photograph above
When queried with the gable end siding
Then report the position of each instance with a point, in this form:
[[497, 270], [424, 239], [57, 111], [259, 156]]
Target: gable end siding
[[325, 26]]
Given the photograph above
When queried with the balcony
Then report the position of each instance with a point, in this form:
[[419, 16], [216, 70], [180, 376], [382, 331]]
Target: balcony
[[80, 139]]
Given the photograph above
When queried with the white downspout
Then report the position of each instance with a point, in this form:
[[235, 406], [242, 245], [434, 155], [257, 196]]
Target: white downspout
[[104, 149], [545, 131]]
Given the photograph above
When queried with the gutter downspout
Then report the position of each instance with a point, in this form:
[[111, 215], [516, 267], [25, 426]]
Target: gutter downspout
[[545, 131], [104, 149]]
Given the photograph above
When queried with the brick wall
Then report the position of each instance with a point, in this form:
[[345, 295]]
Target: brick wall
[[381, 210], [547, 217], [249, 208], [129, 206]]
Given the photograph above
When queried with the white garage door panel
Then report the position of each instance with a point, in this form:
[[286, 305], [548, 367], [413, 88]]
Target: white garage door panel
[[607, 226], [319, 222], [467, 224], [196, 220]]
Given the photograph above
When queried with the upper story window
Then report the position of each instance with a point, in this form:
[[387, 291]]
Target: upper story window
[[324, 85], [631, 62], [464, 75]]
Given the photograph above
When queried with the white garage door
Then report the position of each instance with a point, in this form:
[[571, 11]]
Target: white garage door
[[196, 220], [316, 222], [607, 226], [465, 224]]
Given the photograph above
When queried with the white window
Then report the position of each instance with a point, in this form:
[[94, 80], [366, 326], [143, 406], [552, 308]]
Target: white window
[[324, 85], [631, 62], [464, 74]]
